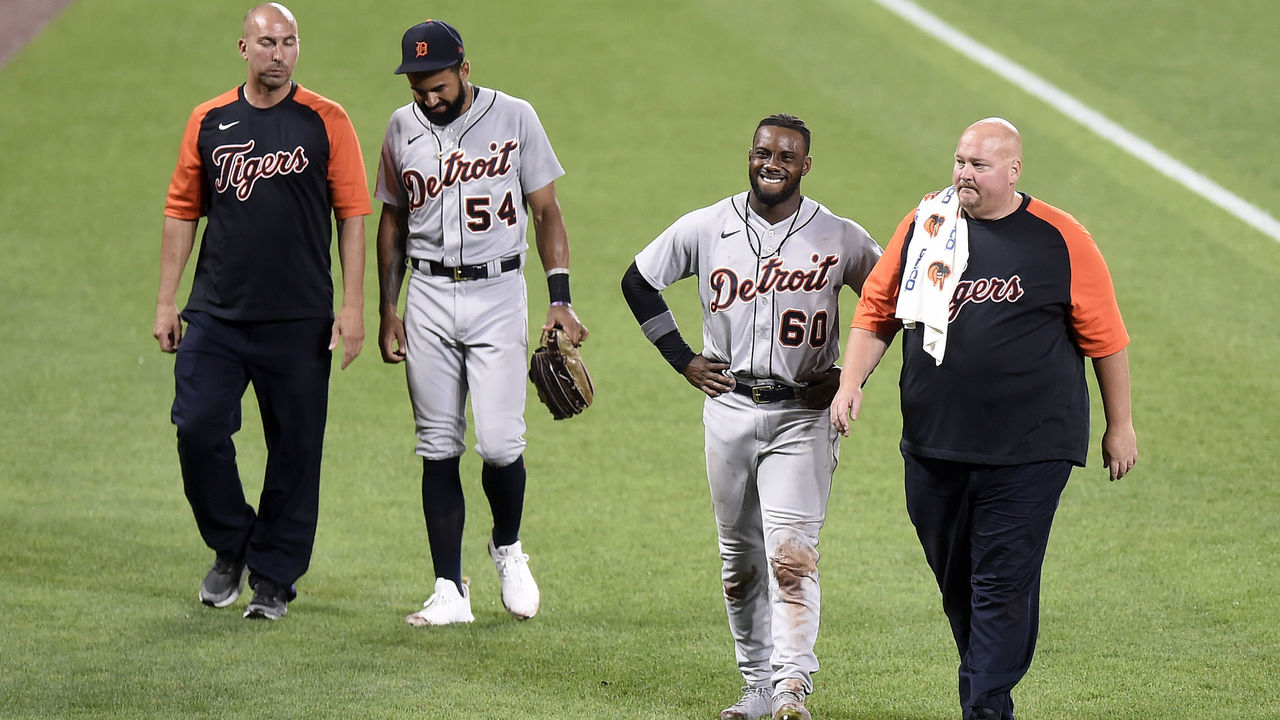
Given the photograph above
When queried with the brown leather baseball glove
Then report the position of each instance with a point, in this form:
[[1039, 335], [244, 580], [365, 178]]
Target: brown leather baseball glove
[[558, 372]]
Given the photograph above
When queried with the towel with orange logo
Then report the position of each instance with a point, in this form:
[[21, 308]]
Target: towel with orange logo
[[937, 254]]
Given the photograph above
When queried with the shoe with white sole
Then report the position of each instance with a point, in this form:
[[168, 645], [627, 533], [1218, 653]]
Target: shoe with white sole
[[445, 607], [519, 591], [221, 586], [756, 703]]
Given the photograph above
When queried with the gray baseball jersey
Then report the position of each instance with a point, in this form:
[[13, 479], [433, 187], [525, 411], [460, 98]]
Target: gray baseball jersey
[[464, 183], [769, 292]]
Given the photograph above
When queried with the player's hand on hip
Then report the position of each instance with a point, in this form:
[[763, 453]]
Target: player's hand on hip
[[708, 376], [391, 338], [563, 317], [819, 388], [845, 407], [168, 328], [349, 326], [1119, 450]]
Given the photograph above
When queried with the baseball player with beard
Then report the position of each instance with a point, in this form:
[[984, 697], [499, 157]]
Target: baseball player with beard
[[770, 265], [463, 169]]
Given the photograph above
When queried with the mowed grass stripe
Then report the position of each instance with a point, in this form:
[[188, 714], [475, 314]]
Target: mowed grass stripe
[[1068, 105]]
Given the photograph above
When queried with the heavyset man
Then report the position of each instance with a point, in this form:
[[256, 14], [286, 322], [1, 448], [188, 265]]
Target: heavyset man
[[1002, 297]]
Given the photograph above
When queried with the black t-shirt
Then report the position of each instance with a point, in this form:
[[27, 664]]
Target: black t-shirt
[[268, 179], [1034, 299]]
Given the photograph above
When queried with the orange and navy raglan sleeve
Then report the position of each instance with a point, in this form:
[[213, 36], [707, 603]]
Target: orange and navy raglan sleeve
[[1094, 313], [879, 299], [348, 184], [185, 200]]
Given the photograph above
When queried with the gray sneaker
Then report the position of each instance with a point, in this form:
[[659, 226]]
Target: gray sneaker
[[789, 705], [756, 703], [270, 601], [222, 584]]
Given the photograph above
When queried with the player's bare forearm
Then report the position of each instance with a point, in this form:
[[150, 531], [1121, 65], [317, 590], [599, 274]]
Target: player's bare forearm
[[553, 250], [1119, 440], [351, 253], [348, 326], [708, 376], [393, 232], [176, 242], [861, 355], [549, 231]]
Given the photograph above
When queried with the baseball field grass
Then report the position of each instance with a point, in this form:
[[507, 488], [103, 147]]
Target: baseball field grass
[[1161, 595]]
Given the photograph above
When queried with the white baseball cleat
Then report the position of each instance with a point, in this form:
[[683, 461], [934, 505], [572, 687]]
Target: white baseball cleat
[[519, 591], [445, 607]]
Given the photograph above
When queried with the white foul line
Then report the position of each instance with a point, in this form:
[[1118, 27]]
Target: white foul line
[[1090, 118]]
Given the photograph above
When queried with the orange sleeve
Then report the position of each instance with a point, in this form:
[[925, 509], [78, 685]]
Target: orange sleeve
[[879, 299], [347, 182], [1094, 314], [185, 200]]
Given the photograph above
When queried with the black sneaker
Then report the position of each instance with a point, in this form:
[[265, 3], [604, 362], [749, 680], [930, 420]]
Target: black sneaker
[[222, 584], [270, 601]]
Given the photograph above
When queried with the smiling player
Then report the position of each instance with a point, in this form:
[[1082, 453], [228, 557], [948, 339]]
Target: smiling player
[[770, 265]]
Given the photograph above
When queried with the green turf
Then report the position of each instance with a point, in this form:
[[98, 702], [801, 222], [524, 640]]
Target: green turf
[[1160, 591]]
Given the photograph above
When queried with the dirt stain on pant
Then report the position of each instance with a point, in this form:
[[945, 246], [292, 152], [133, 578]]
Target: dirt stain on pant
[[793, 562]]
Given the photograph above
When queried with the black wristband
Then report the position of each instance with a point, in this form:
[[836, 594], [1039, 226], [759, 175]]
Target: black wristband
[[558, 287]]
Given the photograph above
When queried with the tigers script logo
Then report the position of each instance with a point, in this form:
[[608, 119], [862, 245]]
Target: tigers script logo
[[728, 288], [983, 290], [236, 169], [458, 170]]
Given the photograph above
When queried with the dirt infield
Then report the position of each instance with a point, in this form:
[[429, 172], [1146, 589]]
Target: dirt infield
[[24, 19]]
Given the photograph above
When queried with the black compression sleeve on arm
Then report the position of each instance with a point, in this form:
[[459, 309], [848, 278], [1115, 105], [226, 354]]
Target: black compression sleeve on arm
[[675, 350], [646, 304]]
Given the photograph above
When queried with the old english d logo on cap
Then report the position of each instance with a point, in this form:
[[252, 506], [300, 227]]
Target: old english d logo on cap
[[430, 46]]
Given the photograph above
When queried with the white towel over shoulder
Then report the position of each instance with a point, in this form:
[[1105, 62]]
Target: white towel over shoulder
[[937, 254]]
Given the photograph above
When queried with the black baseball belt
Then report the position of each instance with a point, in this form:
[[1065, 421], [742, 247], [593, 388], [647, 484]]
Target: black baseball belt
[[761, 394], [463, 272]]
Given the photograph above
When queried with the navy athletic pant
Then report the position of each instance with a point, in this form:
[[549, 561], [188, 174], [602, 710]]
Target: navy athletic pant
[[288, 365], [984, 530]]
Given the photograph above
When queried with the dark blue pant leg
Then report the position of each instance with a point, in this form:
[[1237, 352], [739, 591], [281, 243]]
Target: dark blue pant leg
[[984, 531], [937, 494], [209, 382], [289, 368], [1013, 509]]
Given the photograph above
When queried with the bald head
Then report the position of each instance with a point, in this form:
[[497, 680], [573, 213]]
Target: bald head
[[264, 15], [270, 47], [987, 167]]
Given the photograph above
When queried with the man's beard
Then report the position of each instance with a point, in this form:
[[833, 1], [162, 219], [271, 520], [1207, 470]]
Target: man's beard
[[783, 192], [449, 114]]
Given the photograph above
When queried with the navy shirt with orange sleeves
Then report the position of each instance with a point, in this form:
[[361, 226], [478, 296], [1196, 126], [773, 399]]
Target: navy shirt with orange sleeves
[[267, 178], [1034, 300]]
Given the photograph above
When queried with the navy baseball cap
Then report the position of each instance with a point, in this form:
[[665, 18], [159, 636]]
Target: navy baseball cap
[[432, 45]]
